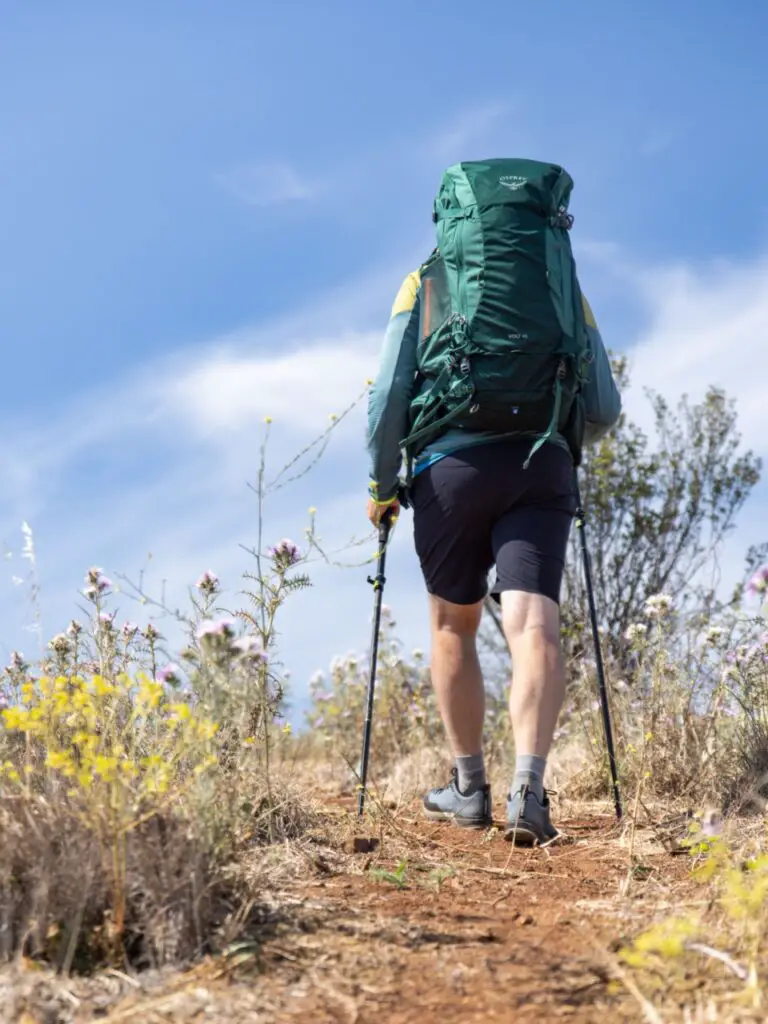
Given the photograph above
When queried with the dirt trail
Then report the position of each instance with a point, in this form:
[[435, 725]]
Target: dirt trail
[[501, 935], [470, 931]]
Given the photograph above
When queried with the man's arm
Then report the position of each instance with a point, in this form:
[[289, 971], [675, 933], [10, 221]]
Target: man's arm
[[391, 394], [601, 396]]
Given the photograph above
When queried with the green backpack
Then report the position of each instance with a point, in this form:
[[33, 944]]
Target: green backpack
[[502, 334]]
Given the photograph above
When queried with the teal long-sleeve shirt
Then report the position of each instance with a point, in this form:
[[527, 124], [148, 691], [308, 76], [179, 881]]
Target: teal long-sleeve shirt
[[393, 390]]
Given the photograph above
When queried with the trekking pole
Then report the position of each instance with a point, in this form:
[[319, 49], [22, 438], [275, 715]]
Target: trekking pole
[[598, 653], [377, 582]]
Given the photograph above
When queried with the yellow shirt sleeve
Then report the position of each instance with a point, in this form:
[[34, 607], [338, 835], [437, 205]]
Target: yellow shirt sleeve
[[589, 316], [406, 297]]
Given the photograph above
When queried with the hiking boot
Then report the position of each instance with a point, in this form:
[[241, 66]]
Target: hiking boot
[[448, 803], [528, 820]]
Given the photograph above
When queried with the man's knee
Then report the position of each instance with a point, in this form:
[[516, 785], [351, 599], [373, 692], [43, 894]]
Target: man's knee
[[531, 618], [461, 619]]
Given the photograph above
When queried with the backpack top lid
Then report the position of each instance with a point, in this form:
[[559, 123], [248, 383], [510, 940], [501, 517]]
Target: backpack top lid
[[471, 184]]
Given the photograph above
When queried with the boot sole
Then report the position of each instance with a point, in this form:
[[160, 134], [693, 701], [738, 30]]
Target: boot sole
[[456, 819], [520, 835]]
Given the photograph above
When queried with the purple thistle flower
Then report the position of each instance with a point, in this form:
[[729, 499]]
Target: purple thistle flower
[[106, 620], [151, 632], [171, 675], [215, 628], [251, 647], [17, 662], [208, 583], [60, 644], [285, 554], [758, 584], [130, 629], [97, 582]]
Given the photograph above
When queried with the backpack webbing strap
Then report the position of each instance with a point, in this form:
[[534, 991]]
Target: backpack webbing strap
[[540, 441]]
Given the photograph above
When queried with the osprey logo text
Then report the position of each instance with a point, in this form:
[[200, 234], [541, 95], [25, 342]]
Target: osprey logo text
[[512, 181]]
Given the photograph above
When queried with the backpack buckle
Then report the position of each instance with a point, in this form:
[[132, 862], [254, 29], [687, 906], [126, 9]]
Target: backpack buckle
[[562, 219]]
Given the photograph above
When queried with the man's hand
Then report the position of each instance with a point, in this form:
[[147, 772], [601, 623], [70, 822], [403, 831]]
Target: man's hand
[[377, 510]]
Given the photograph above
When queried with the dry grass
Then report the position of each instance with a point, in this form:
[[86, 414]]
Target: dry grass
[[186, 896]]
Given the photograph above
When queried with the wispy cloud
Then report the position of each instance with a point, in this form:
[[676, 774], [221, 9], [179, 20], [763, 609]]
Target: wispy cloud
[[707, 326], [229, 391], [268, 183], [265, 183], [472, 125]]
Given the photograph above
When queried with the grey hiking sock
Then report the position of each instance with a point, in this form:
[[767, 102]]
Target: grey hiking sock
[[471, 771], [529, 771]]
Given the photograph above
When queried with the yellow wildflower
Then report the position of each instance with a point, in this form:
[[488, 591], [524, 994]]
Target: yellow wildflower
[[60, 702], [180, 712], [149, 696], [106, 767], [207, 729], [16, 718], [101, 687], [60, 761]]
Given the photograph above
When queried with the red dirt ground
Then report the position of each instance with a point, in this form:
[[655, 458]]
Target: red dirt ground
[[475, 932], [513, 935]]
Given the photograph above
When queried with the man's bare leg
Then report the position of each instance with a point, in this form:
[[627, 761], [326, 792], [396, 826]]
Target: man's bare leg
[[532, 628], [458, 684]]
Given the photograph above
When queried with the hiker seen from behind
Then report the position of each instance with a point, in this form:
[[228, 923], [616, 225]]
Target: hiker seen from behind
[[492, 377]]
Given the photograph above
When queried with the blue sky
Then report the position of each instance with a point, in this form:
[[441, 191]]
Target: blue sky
[[207, 210]]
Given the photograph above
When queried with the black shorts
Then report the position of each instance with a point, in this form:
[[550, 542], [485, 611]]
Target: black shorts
[[478, 508]]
